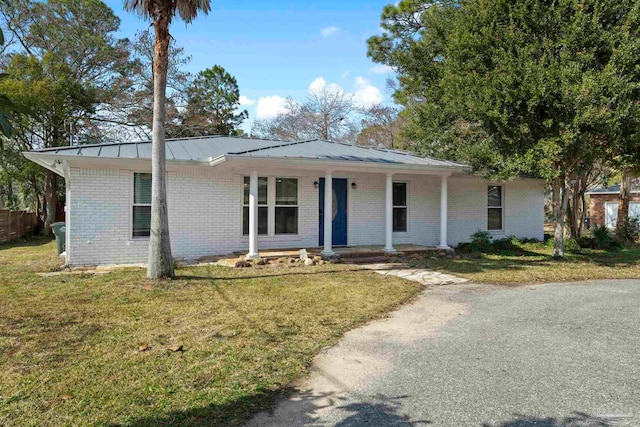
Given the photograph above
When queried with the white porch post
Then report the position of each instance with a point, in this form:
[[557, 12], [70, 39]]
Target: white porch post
[[328, 214], [253, 215], [388, 212], [443, 212]]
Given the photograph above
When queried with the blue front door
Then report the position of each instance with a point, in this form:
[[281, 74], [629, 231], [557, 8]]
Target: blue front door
[[339, 213]]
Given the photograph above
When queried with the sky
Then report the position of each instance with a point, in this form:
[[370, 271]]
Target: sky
[[277, 49]]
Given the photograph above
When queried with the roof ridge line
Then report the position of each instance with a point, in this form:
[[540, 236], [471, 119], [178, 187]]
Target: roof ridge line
[[286, 144]]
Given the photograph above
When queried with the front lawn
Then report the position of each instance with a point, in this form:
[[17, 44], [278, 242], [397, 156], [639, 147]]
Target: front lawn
[[95, 349], [532, 263]]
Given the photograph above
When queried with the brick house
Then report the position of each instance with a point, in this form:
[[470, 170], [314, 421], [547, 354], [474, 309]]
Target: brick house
[[237, 194], [603, 205]]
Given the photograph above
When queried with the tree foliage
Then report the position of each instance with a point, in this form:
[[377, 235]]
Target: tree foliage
[[514, 88], [63, 63], [213, 104], [134, 106]]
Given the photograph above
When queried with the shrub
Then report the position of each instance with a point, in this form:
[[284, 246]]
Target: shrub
[[572, 245], [506, 244], [480, 241], [529, 240], [599, 238], [630, 231]]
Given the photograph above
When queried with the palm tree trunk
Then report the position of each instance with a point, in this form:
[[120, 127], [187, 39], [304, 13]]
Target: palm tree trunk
[[623, 202], [160, 263]]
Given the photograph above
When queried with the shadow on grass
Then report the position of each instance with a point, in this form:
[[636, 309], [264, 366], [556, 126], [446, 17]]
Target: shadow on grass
[[577, 419], [29, 241], [376, 411], [257, 275], [508, 260]]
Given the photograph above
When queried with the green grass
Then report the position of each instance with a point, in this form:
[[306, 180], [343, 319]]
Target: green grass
[[532, 263], [69, 344]]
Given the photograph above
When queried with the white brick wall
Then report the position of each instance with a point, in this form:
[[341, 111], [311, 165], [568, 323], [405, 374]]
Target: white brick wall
[[205, 216], [523, 208], [205, 213]]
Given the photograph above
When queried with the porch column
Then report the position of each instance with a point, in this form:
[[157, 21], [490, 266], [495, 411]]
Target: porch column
[[388, 213], [443, 212], [253, 215], [328, 214]]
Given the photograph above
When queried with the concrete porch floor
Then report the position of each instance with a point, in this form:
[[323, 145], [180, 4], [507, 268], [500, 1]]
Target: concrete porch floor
[[347, 251]]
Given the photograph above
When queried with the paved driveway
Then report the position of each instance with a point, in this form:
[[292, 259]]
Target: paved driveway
[[468, 355]]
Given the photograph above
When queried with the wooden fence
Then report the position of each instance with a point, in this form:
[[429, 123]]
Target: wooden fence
[[15, 224]]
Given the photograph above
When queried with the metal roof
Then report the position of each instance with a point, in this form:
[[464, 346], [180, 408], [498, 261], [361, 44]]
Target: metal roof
[[327, 150], [613, 189], [210, 147]]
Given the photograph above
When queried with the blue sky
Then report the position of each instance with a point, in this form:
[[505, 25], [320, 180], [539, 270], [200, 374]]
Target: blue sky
[[276, 49]]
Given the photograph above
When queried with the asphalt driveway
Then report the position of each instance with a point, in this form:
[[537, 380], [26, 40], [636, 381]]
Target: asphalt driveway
[[468, 355]]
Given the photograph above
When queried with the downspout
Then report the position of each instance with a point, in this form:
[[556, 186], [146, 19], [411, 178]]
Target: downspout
[[67, 211]]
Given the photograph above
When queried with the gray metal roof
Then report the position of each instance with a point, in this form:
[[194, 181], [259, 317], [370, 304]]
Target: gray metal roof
[[204, 148], [613, 189], [327, 150]]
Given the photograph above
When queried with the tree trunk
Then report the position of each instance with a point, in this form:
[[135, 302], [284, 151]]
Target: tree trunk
[[49, 200], [583, 212], [559, 203], [623, 202], [160, 263]]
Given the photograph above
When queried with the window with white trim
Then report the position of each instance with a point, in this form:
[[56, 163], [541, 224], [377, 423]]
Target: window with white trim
[[495, 208], [399, 206], [263, 206], [611, 213], [141, 223], [286, 207]]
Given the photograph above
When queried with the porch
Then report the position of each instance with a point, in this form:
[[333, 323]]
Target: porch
[[371, 213], [349, 252]]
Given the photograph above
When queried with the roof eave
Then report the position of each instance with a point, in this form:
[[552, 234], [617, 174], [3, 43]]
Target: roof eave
[[327, 164]]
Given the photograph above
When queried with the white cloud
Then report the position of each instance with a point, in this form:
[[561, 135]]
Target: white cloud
[[381, 69], [270, 106], [329, 31], [366, 94], [344, 74], [246, 101], [319, 84]]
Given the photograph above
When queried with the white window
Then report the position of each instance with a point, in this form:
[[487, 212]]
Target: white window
[[611, 213], [399, 206], [141, 226], [263, 206], [634, 210], [495, 208], [286, 208]]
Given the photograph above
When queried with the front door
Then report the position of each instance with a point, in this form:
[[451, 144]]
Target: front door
[[339, 213]]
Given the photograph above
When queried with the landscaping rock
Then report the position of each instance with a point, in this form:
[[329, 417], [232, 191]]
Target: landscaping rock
[[308, 261], [243, 264], [260, 261], [303, 254]]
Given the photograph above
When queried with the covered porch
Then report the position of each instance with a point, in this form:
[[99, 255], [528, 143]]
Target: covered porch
[[332, 234], [349, 252]]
